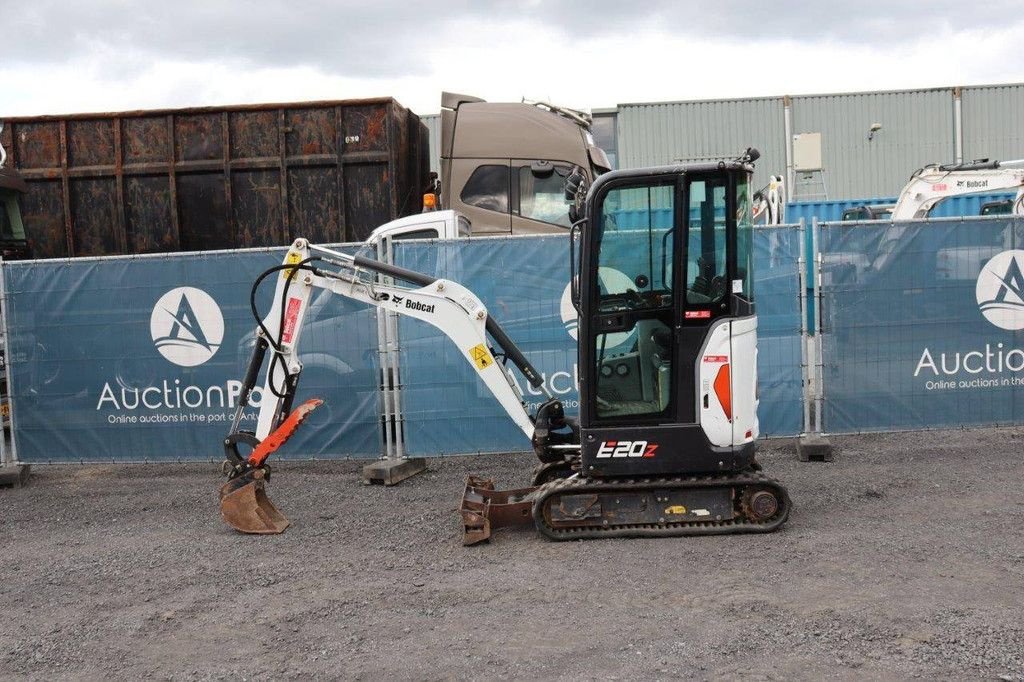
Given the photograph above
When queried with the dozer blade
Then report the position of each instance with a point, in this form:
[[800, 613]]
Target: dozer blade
[[484, 508], [246, 508]]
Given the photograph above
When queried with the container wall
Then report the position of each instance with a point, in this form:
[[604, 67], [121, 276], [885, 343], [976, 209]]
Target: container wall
[[213, 178]]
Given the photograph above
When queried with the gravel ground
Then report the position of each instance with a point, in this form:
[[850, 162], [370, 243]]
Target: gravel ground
[[903, 558]]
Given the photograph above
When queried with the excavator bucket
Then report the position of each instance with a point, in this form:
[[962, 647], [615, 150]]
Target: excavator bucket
[[246, 508], [243, 500]]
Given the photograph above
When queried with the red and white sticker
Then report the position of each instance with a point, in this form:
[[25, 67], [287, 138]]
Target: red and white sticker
[[291, 316], [716, 358], [940, 187], [697, 314]]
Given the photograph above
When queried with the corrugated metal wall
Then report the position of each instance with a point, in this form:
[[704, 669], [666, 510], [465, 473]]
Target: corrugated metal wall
[[993, 122], [655, 134], [917, 128]]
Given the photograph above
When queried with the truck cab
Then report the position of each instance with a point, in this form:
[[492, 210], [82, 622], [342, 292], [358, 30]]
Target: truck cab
[[504, 166]]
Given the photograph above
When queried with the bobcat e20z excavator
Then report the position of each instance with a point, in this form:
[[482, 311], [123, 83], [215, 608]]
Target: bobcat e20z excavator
[[664, 443]]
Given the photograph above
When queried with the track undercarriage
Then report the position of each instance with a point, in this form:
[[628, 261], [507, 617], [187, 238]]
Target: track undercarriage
[[576, 508]]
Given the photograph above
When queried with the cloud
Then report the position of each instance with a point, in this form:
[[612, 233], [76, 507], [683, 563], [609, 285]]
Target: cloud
[[391, 38], [107, 55], [369, 38]]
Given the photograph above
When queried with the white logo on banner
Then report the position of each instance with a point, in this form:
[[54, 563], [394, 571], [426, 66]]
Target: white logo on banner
[[1000, 290], [612, 282], [187, 326]]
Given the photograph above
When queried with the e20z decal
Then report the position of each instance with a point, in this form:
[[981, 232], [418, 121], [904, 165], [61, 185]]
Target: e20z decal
[[626, 448]]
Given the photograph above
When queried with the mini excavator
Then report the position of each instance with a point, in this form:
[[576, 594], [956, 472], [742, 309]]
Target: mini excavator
[[664, 444]]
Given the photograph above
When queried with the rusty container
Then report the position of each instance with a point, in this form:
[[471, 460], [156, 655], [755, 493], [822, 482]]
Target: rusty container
[[216, 177]]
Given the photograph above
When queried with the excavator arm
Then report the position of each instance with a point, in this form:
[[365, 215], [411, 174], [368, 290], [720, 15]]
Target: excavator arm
[[932, 184], [446, 305]]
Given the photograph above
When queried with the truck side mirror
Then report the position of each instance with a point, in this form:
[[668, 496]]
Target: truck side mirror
[[576, 192]]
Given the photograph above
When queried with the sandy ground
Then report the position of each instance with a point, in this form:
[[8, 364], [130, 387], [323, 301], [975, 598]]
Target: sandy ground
[[903, 558]]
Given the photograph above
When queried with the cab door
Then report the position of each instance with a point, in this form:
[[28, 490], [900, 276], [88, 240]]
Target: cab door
[[628, 344]]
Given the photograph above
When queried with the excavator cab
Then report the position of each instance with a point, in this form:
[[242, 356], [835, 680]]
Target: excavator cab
[[667, 330], [665, 440]]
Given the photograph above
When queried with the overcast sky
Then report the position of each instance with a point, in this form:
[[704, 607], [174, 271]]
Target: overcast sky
[[109, 55]]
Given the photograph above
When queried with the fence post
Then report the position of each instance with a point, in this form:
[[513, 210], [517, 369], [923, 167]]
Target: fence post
[[812, 444], [805, 378], [393, 467], [12, 472]]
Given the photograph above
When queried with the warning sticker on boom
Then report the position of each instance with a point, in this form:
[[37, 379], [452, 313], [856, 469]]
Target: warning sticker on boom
[[293, 258], [481, 358], [291, 316]]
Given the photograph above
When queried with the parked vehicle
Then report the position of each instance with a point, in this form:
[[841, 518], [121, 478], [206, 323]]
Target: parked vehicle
[[932, 184]]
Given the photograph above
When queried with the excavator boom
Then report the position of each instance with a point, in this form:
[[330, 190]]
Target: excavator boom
[[446, 305]]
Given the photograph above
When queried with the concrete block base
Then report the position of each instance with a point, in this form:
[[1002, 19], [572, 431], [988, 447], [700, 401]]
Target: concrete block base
[[814, 447], [393, 471], [14, 475]]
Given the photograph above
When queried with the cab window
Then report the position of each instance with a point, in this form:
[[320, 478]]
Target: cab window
[[487, 188], [543, 198], [744, 241], [706, 243], [633, 344], [636, 247]]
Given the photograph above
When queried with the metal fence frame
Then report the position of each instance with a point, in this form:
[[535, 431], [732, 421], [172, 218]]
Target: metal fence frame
[[817, 395], [390, 403]]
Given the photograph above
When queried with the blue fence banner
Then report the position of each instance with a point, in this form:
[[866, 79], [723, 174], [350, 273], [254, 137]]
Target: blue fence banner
[[524, 282], [777, 301], [141, 358], [132, 359], [923, 324]]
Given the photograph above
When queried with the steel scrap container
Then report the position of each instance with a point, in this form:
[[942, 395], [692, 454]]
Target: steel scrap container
[[216, 177]]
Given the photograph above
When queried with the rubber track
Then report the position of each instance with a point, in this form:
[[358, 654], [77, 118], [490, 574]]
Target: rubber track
[[549, 492]]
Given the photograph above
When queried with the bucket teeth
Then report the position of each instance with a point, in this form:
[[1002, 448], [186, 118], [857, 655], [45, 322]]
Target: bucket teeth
[[244, 505]]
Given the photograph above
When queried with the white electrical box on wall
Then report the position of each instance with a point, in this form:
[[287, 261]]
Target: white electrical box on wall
[[807, 152]]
